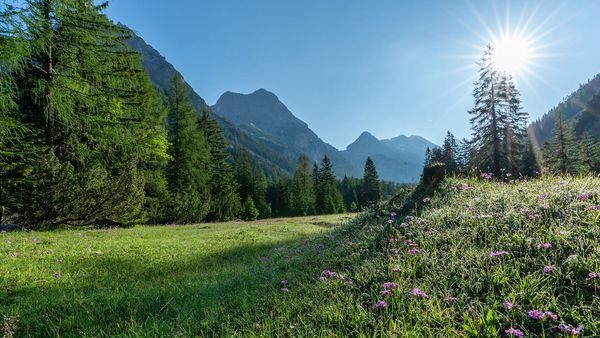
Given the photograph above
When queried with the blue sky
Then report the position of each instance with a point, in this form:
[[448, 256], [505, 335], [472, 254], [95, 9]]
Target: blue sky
[[387, 67]]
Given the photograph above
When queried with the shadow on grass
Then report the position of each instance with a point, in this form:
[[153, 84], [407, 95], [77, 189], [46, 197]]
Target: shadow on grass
[[203, 293]]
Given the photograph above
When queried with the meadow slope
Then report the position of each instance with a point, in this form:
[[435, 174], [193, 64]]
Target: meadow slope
[[470, 258]]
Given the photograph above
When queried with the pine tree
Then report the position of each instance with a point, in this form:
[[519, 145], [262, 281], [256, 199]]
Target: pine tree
[[488, 116], [560, 153], [328, 198], [80, 90], [463, 157], [530, 166], [249, 211], [303, 194], [251, 182], [222, 185], [371, 184], [450, 154], [188, 170], [589, 153], [515, 126]]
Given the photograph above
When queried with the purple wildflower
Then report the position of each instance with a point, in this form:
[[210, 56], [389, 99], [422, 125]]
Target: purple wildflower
[[593, 208], [544, 246], [514, 332], [551, 314], [396, 269], [328, 274], [509, 305], [549, 269], [386, 293], [426, 199], [499, 253], [592, 275], [59, 261], [570, 329], [284, 290], [284, 282], [584, 196], [470, 208], [380, 305], [536, 314], [451, 300], [419, 293], [390, 285], [57, 275], [413, 251], [390, 221], [393, 214], [404, 225]]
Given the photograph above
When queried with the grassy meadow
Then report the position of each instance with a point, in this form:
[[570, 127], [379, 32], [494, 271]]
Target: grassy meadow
[[469, 258]]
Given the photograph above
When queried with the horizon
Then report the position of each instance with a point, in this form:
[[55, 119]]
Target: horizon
[[375, 64]]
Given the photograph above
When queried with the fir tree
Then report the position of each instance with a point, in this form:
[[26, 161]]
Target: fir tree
[[222, 185], [515, 126], [371, 184], [249, 211], [450, 154], [560, 153], [530, 166], [302, 190], [589, 153], [188, 170], [80, 89], [251, 182], [488, 116], [328, 197]]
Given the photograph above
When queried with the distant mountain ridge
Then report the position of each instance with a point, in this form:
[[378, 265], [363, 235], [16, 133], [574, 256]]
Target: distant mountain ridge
[[260, 123], [581, 109]]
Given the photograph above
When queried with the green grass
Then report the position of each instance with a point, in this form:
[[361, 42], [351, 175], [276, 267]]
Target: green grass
[[209, 280]]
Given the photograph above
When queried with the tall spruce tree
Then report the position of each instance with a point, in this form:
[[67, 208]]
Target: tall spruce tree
[[80, 90], [560, 153], [530, 165], [222, 185], [589, 153], [188, 171], [371, 187], [515, 126], [488, 116], [302, 190], [251, 182], [328, 197], [450, 154]]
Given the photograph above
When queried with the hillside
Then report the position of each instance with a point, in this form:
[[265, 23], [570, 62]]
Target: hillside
[[579, 108], [476, 258]]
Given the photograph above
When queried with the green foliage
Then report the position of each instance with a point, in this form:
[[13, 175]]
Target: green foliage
[[249, 213], [328, 197], [371, 186], [560, 154], [302, 189]]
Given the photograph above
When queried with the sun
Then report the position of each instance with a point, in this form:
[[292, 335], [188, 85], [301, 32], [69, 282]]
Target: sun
[[511, 54]]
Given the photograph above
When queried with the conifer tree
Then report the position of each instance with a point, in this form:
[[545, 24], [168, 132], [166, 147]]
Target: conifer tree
[[251, 182], [515, 125], [560, 153], [249, 211], [589, 153], [302, 190], [530, 165], [80, 90], [328, 198], [371, 185], [188, 170], [488, 117], [450, 154], [222, 185]]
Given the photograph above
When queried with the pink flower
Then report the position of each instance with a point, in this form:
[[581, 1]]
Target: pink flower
[[514, 332], [413, 251], [284, 290], [380, 305], [549, 269], [551, 314], [329, 274], [592, 275], [536, 314], [418, 293], [386, 293], [426, 199]]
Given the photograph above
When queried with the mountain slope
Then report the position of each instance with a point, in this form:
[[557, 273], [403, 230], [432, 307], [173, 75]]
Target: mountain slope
[[271, 156], [574, 111]]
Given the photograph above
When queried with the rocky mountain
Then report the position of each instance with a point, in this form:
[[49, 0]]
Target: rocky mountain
[[260, 123], [399, 159], [581, 109]]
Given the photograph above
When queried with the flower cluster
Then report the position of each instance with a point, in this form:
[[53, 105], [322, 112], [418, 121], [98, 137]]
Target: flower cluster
[[514, 332], [509, 305], [540, 315], [549, 269], [380, 305], [487, 176], [418, 293], [544, 246], [326, 274], [499, 253], [570, 329]]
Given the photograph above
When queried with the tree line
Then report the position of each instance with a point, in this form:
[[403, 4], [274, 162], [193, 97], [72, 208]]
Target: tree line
[[500, 144], [85, 138]]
